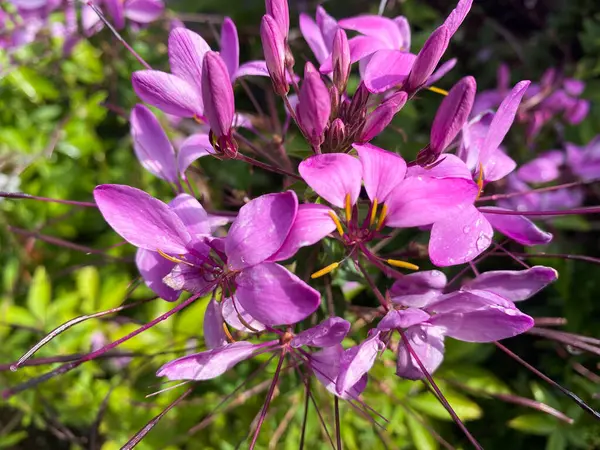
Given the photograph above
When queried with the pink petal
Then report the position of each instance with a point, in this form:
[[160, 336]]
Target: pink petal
[[514, 285], [167, 92], [387, 69], [331, 331], [141, 219], [457, 15], [467, 301], [460, 237], [427, 343], [194, 147], [542, 169], [498, 165], [260, 229], [151, 145], [232, 313], [252, 68], [441, 71], [313, 37], [312, 224], [144, 11], [450, 166], [186, 53], [230, 46], [214, 335], [328, 26], [401, 319], [192, 214], [153, 268], [420, 200], [115, 9], [375, 26], [382, 170], [326, 365], [275, 296], [363, 46], [212, 363], [357, 361], [404, 29], [332, 176], [418, 289], [519, 228]]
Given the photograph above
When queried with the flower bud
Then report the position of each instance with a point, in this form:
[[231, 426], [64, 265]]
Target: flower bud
[[336, 135], [314, 106], [274, 49], [334, 97], [451, 116], [382, 116], [340, 60], [356, 110], [427, 59], [279, 10]]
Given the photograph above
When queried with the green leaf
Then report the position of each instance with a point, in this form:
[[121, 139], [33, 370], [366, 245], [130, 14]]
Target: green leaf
[[541, 424], [11, 440], [476, 378], [189, 321], [421, 437], [557, 440], [428, 404], [572, 223], [33, 85], [39, 293], [88, 283]]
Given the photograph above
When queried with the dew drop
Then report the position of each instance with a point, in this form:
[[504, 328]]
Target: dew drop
[[483, 242], [13, 368], [466, 229]]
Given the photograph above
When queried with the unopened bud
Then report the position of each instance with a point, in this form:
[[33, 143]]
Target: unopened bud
[[274, 49], [334, 96], [382, 116], [217, 94], [336, 135], [340, 60], [314, 106], [427, 59], [279, 10]]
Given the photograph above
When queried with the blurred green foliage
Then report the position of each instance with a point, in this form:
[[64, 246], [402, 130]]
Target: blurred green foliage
[[64, 130]]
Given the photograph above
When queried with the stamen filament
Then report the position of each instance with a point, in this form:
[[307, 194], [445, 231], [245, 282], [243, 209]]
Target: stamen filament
[[480, 181], [373, 212], [325, 270], [382, 217], [228, 334], [402, 264], [348, 208], [173, 259], [438, 90], [337, 222]]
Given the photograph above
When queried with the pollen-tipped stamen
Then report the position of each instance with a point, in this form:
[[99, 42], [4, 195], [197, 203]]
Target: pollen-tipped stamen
[[228, 334], [373, 212], [438, 90], [382, 216], [348, 205], [325, 270], [402, 264], [337, 222], [480, 181], [174, 259]]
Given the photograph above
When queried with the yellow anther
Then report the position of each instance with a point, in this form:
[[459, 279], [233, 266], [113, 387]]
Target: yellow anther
[[382, 217], [438, 90], [172, 258], [337, 222], [228, 334], [198, 119], [402, 264], [480, 181], [325, 270], [373, 212], [348, 208]]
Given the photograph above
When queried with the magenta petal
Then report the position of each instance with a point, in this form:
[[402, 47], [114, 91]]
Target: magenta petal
[[375, 26], [449, 166], [427, 343], [382, 170], [420, 200], [167, 92], [331, 331], [194, 147], [468, 301], [401, 319], [428, 58], [141, 219], [192, 214], [498, 165], [217, 94], [313, 37], [252, 68], [404, 29], [484, 325], [260, 229], [357, 361], [381, 116], [332, 176], [153, 268], [151, 145], [457, 15], [418, 289], [503, 120], [387, 69], [326, 365], [312, 224], [460, 237], [514, 285], [144, 11], [210, 364], [232, 314], [186, 53], [214, 335], [360, 48], [519, 228], [542, 169], [275, 296], [328, 26], [314, 106], [115, 9], [230, 46], [441, 71]]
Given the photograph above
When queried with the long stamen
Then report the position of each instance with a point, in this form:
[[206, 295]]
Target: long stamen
[[228, 334], [480, 181], [173, 259], [325, 270], [348, 208], [382, 217], [337, 222], [437, 90], [402, 264], [373, 212]]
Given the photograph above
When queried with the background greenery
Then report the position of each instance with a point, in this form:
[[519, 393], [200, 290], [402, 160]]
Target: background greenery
[[63, 132]]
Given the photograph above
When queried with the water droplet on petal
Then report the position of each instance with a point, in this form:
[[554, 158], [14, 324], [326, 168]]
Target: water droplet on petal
[[466, 229], [483, 242]]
